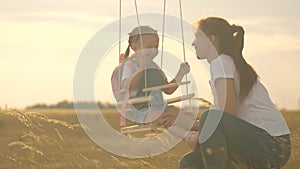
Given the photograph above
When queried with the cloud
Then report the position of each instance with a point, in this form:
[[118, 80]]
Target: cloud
[[11, 7], [93, 7], [252, 9], [273, 42], [82, 19], [272, 26]]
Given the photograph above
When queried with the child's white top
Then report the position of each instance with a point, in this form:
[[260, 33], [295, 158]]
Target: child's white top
[[127, 72], [257, 108]]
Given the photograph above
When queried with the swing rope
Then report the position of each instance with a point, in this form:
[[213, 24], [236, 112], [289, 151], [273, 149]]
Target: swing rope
[[183, 46], [182, 34], [163, 35], [120, 28], [122, 117], [141, 39]]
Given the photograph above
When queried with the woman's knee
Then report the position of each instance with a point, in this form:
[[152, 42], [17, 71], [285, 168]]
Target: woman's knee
[[212, 117], [207, 112], [203, 116], [191, 160], [209, 124]]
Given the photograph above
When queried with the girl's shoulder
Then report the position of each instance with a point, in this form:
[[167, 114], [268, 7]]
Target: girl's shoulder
[[131, 62]]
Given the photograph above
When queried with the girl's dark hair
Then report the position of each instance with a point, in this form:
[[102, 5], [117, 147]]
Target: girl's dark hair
[[231, 42], [136, 34]]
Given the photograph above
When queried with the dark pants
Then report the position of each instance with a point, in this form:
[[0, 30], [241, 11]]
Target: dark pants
[[154, 78], [236, 143]]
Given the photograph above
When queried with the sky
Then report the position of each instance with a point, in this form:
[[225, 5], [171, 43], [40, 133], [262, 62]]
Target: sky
[[41, 41]]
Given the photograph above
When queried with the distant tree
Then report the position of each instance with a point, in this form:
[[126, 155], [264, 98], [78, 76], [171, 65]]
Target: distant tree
[[70, 105], [38, 106], [64, 105]]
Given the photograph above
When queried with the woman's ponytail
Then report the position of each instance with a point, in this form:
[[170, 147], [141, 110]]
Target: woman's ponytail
[[238, 39], [247, 74]]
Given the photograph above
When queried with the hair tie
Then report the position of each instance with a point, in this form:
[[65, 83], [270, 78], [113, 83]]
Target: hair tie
[[233, 28], [237, 30]]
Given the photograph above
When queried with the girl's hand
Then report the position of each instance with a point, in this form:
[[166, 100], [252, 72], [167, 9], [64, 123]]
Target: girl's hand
[[184, 68]]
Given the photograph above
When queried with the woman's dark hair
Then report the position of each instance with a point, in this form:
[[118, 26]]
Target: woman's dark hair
[[231, 42], [136, 34]]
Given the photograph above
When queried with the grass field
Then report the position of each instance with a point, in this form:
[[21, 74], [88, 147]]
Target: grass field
[[55, 139]]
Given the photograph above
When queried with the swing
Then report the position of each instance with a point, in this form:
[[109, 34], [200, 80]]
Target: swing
[[125, 106]]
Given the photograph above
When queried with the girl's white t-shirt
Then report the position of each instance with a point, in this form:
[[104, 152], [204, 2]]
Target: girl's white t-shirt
[[127, 72], [257, 108]]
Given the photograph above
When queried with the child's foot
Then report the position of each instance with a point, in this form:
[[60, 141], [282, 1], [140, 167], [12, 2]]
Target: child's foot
[[192, 138]]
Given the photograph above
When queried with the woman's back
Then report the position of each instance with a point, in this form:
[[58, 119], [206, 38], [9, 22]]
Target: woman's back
[[257, 108]]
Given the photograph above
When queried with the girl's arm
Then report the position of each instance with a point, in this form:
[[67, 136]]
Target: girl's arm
[[131, 84], [184, 69], [226, 95], [133, 81]]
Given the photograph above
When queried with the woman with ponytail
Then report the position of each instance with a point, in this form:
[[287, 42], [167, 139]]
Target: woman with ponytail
[[247, 129]]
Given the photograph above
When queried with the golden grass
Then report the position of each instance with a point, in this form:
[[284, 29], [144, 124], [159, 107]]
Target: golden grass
[[55, 139]]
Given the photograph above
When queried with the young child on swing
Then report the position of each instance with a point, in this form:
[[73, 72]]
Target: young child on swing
[[144, 41]]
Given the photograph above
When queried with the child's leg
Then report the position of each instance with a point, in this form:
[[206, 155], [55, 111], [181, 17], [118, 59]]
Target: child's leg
[[139, 115], [183, 124], [153, 116], [180, 128]]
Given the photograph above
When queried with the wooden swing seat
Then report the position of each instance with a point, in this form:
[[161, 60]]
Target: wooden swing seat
[[149, 98], [140, 128], [153, 127], [165, 86]]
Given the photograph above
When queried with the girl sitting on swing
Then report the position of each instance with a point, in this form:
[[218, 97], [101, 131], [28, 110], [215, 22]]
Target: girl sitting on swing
[[144, 41]]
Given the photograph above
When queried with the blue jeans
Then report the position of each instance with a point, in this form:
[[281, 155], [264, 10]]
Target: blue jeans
[[236, 142]]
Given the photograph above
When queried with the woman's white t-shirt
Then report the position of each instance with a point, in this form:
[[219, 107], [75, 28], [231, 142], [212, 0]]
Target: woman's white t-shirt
[[257, 108]]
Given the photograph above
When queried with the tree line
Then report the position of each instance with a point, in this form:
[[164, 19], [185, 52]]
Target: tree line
[[70, 105]]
